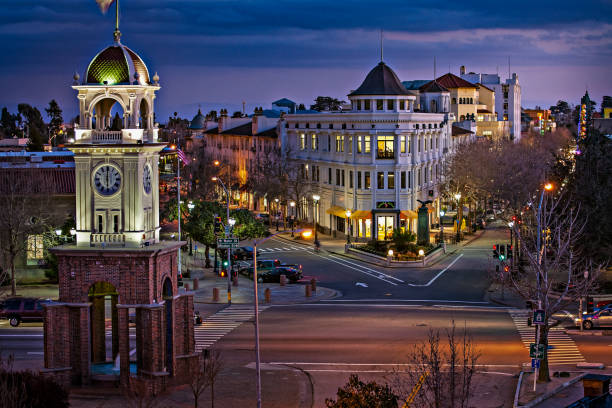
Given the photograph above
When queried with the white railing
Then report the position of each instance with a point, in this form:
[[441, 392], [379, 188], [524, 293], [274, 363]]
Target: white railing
[[107, 239], [106, 136]]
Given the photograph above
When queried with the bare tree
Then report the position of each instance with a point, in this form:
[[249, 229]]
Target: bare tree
[[23, 200], [558, 274], [205, 375], [138, 395], [439, 375]]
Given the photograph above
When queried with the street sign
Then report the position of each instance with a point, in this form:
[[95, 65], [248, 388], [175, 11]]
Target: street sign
[[535, 363], [227, 230], [538, 316], [227, 242], [537, 351]]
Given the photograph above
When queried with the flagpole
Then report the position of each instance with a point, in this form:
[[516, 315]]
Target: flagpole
[[116, 15]]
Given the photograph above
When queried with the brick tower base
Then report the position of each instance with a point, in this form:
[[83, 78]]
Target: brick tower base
[[139, 287]]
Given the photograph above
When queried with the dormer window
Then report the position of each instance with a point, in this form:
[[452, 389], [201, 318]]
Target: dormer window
[[390, 104], [402, 105], [379, 104], [366, 105], [359, 105]]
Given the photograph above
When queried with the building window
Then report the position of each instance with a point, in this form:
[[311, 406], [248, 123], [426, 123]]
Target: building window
[[385, 147], [454, 101], [314, 173], [359, 105], [402, 104], [367, 144], [366, 104], [318, 173], [431, 143], [351, 179], [116, 224], [308, 126], [506, 95], [403, 179], [425, 173], [359, 140], [380, 180], [35, 247], [359, 179], [337, 177], [329, 143], [403, 144], [419, 145], [339, 143], [419, 178], [505, 106], [379, 104], [390, 104], [331, 125], [390, 180], [100, 224], [314, 144], [471, 101], [342, 178], [416, 126], [350, 144], [302, 141], [329, 176], [366, 180]]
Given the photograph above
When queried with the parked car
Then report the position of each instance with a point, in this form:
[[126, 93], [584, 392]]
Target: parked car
[[19, 309], [602, 318], [266, 264], [263, 217], [244, 253], [273, 275], [490, 215]]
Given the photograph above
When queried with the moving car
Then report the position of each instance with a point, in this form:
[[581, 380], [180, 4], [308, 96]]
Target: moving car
[[273, 275], [266, 264], [602, 318], [19, 309], [243, 253]]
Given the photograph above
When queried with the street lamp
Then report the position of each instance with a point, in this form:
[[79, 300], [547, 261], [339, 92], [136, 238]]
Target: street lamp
[[458, 198], [441, 226], [190, 206], [316, 199], [276, 216], [292, 204], [229, 264], [306, 233], [348, 226]]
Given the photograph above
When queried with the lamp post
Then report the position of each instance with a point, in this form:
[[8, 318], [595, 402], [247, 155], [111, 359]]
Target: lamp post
[[229, 264], [292, 204], [316, 199], [305, 233], [586, 276], [66, 238], [459, 220], [547, 187], [441, 226], [276, 211], [348, 226], [511, 226], [190, 206]]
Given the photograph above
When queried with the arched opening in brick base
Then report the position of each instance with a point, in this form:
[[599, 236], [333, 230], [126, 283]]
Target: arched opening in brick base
[[103, 297], [168, 302]]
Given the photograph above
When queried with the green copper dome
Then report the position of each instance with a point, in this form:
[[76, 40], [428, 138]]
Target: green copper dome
[[117, 65]]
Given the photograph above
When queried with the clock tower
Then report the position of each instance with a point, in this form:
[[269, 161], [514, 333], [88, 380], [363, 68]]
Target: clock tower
[[118, 270]]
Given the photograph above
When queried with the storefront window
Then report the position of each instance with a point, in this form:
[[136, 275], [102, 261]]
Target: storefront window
[[35, 250], [385, 227]]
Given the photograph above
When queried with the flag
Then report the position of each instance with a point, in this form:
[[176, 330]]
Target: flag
[[104, 5], [181, 155]]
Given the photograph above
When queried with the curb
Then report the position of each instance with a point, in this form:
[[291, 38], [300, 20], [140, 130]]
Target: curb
[[585, 333], [547, 395], [332, 295]]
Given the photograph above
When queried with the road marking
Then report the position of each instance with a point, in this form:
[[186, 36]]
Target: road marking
[[361, 284], [439, 273], [564, 349], [407, 300], [335, 364], [376, 275], [38, 353], [221, 323], [21, 335], [380, 274]]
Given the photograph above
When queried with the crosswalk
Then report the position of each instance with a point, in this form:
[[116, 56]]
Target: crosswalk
[[221, 323], [562, 349], [290, 248]]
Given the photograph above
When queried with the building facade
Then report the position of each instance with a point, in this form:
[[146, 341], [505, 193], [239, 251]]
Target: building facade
[[377, 160], [507, 100]]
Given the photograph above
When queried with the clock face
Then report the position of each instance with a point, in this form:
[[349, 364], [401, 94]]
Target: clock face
[[107, 180], [146, 179]]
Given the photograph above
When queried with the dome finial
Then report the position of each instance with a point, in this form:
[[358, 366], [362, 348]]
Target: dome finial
[[76, 78], [117, 33], [156, 78]]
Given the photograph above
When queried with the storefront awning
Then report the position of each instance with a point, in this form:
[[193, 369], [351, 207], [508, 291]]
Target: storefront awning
[[361, 214], [408, 215], [337, 211]]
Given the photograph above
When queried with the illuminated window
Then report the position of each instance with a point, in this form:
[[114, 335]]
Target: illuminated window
[[35, 247], [359, 141], [403, 144], [314, 144], [339, 143], [385, 147], [366, 180], [380, 180], [367, 142], [390, 180], [302, 141]]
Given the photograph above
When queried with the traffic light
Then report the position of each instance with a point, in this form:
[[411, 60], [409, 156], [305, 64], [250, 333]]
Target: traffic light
[[502, 252], [496, 251], [509, 251], [506, 269], [217, 225], [225, 264]]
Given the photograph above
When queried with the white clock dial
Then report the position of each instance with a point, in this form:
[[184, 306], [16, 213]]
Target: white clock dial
[[146, 179], [107, 180]]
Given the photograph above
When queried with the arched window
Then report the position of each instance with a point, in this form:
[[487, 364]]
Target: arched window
[[471, 101], [454, 101]]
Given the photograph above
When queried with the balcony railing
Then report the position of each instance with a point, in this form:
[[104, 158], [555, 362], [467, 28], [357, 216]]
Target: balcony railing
[[107, 239], [106, 136], [385, 154]]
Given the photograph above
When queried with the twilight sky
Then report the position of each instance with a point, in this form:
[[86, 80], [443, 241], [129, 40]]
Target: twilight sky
[[219, 53]]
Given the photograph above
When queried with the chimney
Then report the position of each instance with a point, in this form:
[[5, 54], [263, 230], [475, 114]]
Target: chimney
[[462, 70], [255, 123], [223, 120]]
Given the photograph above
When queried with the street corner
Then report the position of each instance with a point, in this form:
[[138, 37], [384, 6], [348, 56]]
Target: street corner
[[301, 292]]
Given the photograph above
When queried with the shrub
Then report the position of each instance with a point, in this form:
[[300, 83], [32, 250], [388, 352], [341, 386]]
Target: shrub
[[29, 389], [357, 394]]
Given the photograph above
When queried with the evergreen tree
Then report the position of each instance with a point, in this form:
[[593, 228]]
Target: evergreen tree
[[55, 120], [8, 124], [34, 125]]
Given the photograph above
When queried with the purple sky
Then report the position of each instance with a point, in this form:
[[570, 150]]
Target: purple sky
[[219, 53]]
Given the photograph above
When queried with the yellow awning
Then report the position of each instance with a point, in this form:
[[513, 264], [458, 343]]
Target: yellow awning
[[361, 214], [408, 214], [337, 211]]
